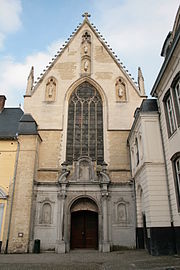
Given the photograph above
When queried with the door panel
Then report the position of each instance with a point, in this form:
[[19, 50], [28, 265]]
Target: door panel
[[77, 229], [84, 229]]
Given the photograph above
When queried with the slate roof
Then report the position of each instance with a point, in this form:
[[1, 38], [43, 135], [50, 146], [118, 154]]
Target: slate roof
[[9, 121], [27, 125], [147, 106], [14, 122]]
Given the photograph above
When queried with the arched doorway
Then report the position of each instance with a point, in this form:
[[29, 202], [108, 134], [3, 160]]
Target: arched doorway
[[84, 224]]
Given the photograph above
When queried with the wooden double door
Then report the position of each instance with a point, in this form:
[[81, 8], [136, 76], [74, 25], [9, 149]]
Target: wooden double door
[[84, 229]]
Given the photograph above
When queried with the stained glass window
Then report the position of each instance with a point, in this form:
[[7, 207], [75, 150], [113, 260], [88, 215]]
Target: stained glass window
[[85, 124]]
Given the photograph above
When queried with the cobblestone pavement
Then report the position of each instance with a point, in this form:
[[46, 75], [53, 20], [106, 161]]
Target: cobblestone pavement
[[89, 260]]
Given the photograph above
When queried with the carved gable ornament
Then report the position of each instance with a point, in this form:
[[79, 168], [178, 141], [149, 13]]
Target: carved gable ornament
[[86, 54], [121, 90]]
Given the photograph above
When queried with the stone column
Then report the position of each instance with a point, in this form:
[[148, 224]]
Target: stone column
[[105, 244], [60, 244]]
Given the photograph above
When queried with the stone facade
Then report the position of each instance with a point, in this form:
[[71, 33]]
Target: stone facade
[[47, 187], [89, 174]]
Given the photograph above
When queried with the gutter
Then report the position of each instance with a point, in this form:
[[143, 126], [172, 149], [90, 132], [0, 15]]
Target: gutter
[[134, 188], [166, 171], [12, 198]]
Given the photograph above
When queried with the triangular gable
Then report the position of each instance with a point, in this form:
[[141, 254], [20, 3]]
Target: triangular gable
[[101, 40]]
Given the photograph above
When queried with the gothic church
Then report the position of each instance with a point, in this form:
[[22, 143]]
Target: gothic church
[[72, 184]]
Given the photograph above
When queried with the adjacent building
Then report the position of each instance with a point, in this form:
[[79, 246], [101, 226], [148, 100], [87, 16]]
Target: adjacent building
[[9, 121], [167, 91], [153, 228]]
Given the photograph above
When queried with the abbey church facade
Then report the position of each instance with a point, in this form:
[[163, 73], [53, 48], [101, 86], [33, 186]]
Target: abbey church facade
[[76, 181]]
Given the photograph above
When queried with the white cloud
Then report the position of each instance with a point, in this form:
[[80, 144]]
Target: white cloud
[[10, 11], [136, 31], [1, 39], [13, 75]]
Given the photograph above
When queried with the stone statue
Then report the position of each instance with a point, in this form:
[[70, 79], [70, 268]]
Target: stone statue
[[50, 90], [121, 89], [85, 49], [86, 65]]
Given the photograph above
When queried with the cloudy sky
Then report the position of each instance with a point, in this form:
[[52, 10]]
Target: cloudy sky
[[31, 32]]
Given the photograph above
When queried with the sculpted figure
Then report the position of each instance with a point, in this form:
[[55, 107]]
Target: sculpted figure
[[121, 89], [86, 65], [85, 49], [50, 90]]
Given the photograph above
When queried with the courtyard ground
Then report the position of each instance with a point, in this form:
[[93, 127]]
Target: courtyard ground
[[89, 260]]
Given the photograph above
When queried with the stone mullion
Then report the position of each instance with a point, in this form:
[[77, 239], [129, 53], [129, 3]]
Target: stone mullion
[[81, 134], [88, 127], [96, 131], [74, 130]]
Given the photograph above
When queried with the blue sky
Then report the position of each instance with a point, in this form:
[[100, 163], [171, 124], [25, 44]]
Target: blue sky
[[31, 31]]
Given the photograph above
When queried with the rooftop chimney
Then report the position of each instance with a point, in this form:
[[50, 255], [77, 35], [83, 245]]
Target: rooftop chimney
[[2, 102]]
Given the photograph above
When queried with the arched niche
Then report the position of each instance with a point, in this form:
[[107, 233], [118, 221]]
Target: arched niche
[[121, 89], [51, 88]]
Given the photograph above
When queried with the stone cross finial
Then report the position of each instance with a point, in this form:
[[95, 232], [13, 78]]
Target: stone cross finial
[[86, 15]]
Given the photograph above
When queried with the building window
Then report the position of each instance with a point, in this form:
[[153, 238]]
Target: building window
[[176, 168], [176, 95], [1, 217], [137, 151], [177, 91], [169, 111], [85, 125]]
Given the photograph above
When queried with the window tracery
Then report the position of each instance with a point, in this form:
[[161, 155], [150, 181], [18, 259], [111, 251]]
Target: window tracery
[[85, 124]]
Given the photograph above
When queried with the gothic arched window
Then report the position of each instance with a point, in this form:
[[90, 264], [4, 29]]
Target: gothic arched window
[[85, 124]]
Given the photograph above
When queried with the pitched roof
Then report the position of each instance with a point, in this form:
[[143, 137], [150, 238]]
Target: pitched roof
[[103, 42], [27, 125], [9, 121], [147, 106]]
